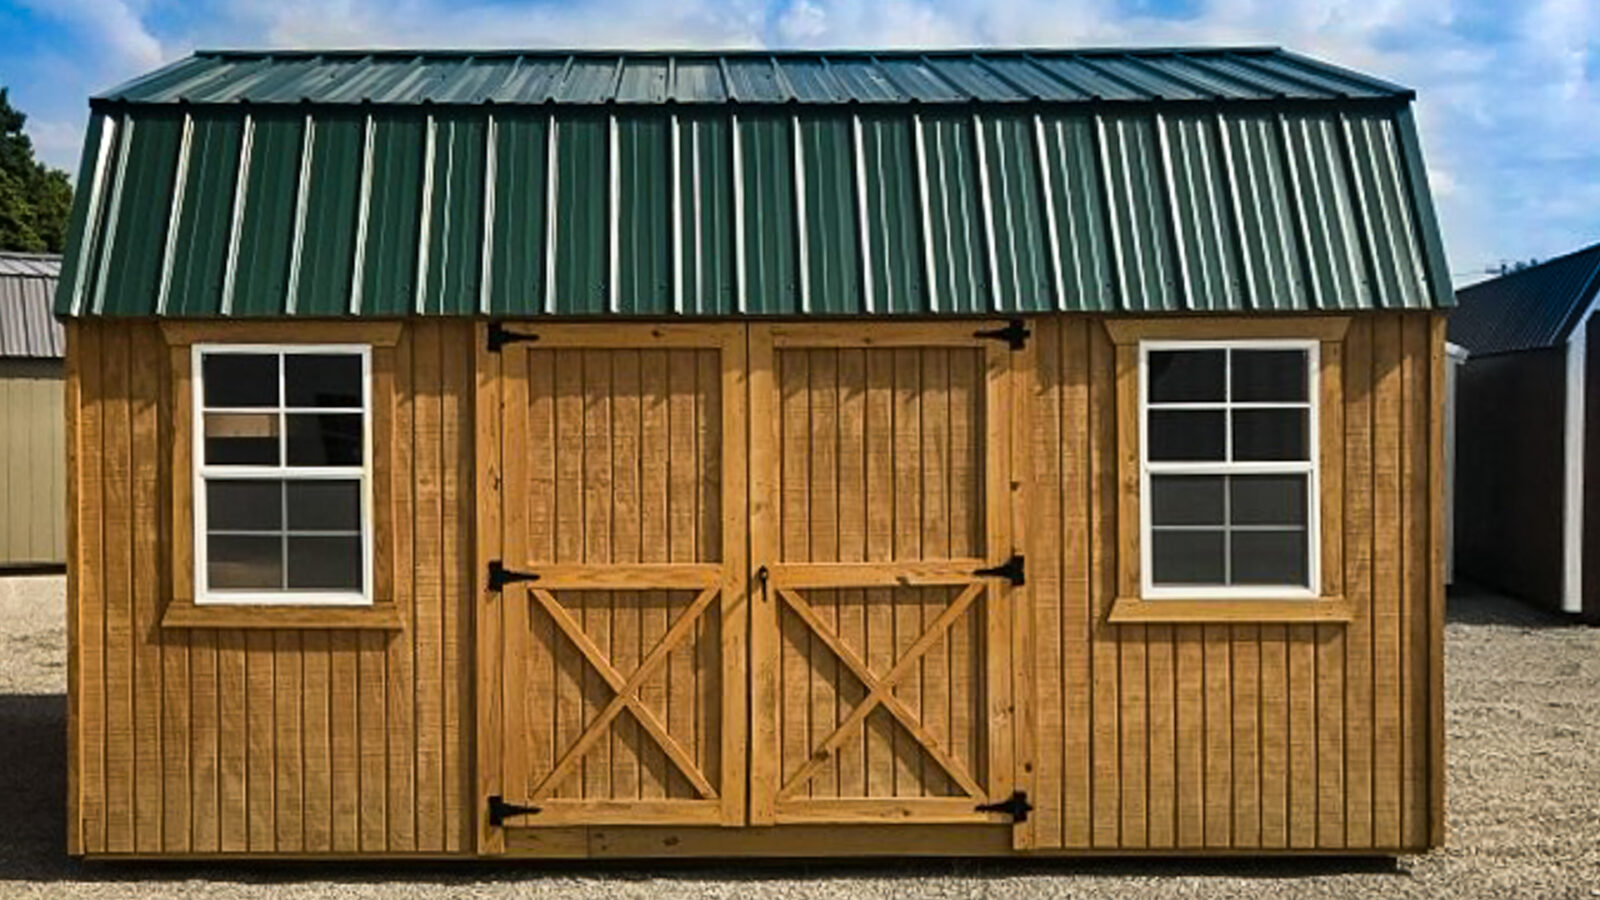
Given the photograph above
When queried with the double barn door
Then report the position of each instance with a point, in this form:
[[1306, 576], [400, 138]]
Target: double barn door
[[738, 574]]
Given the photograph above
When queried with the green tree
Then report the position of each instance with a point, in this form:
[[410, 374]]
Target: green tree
[[35, 200]]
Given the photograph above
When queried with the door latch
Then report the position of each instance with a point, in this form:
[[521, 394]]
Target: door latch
[[500, 576], [500, 810], [1012, 570], [1016, 806]]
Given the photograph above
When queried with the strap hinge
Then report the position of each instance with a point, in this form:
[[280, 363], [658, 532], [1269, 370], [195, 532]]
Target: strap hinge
[[500, 810], [1015, 334], [1013, 570], [500, 576], [1016, 806], [499, 336]]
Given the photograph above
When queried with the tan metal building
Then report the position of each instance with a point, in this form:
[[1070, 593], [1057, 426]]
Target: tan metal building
[[33, 478]]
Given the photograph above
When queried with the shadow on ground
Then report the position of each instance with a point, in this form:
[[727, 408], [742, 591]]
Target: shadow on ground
[[1469, 604]]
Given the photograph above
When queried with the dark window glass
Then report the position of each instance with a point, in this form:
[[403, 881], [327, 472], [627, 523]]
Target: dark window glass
[[322, 379], [325, 505], [1187, 376], [244, 505], [1268, 499], [1187, 435], [241, 439], [325, 439], [244, 562], [1269, 375], [1269, 557], [240, 379], [1186, 557], [325, 563], [1186, 500], [1275, 435]]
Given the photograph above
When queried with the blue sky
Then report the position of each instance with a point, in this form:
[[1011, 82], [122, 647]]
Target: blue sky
[[1509, 92]]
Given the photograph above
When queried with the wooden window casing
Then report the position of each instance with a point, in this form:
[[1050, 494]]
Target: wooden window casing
[[1327, 603], [181, 610]]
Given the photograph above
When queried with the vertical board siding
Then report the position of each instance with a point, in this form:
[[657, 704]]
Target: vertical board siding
[[215, 740], [1246, 736]]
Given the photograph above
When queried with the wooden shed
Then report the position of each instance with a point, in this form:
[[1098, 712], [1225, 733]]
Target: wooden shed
[[33, 477], [718, 454], [1527, 499]]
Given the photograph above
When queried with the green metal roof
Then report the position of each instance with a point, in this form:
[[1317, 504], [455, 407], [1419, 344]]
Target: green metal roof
[[318, 184]]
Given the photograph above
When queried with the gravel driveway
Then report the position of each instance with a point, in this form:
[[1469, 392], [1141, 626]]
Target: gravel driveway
[[1524, 794]]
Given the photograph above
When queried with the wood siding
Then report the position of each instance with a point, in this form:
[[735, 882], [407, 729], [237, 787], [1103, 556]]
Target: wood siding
[[218, 740], [1242, 736], [33, 481]]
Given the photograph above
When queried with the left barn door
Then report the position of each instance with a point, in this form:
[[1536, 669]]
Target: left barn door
[[614, 687]]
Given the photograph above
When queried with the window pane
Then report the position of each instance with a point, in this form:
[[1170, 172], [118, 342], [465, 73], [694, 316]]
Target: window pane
[[1269, 557], [1269, 434], [1186, 500], [325, 505], [1178, 376], [325, 439], [325, 563], [234, 505], [1187, 435], [322, 379], [1268, 375], [1186, 557], [235, 562], [241, 439], [240, 379], [1268, 500]]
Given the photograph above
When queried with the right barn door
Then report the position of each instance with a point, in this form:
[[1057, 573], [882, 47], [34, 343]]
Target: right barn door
[[880, 602]]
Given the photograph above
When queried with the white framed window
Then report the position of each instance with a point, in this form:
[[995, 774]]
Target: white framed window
[[282, 474], [1228, 469]]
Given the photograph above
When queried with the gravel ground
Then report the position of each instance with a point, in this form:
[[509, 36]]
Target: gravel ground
[[1524, 795]]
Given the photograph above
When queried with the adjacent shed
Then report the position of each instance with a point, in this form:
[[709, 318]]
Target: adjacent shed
[[1528, 442], [33, 477], [708, 454]]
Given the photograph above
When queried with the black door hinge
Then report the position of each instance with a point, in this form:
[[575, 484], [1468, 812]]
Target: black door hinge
[[500, 810], [1015, 334], [1016, 806], [500, 576], [1012, 570], [499, 336]]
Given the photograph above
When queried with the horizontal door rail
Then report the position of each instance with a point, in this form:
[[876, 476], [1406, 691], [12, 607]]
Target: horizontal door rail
[[887, 810], [876, 574], [626, 576], [555, 811], [903, 334]]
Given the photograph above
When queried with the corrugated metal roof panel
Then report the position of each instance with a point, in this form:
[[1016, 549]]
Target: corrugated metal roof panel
[[986, 76], [27, 326], [695, 210], [1534, 308]]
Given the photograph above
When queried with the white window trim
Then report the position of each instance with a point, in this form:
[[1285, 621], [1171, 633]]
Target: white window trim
[[1312, 468], [204, 596]]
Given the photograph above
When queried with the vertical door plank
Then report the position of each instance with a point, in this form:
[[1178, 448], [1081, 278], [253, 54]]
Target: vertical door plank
[[852, 382], [1045, 535], [708, 527], [766, 766], [727, 383], [1387, 544], [569, 518], [500, 728], [1103, 580], [523, 541], [793, 370], [934, 526], [1078, 536], [597, 517], [1358, 545], [428, 518], [880, 499], [625, 548], [684, 473], [908, 775], [966, 526], [999, 599], [822, 521], [653, 532], [392, 415]]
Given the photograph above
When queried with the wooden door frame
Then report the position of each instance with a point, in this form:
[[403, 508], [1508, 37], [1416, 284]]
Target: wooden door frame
[[494, 468], [1005, 469]]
